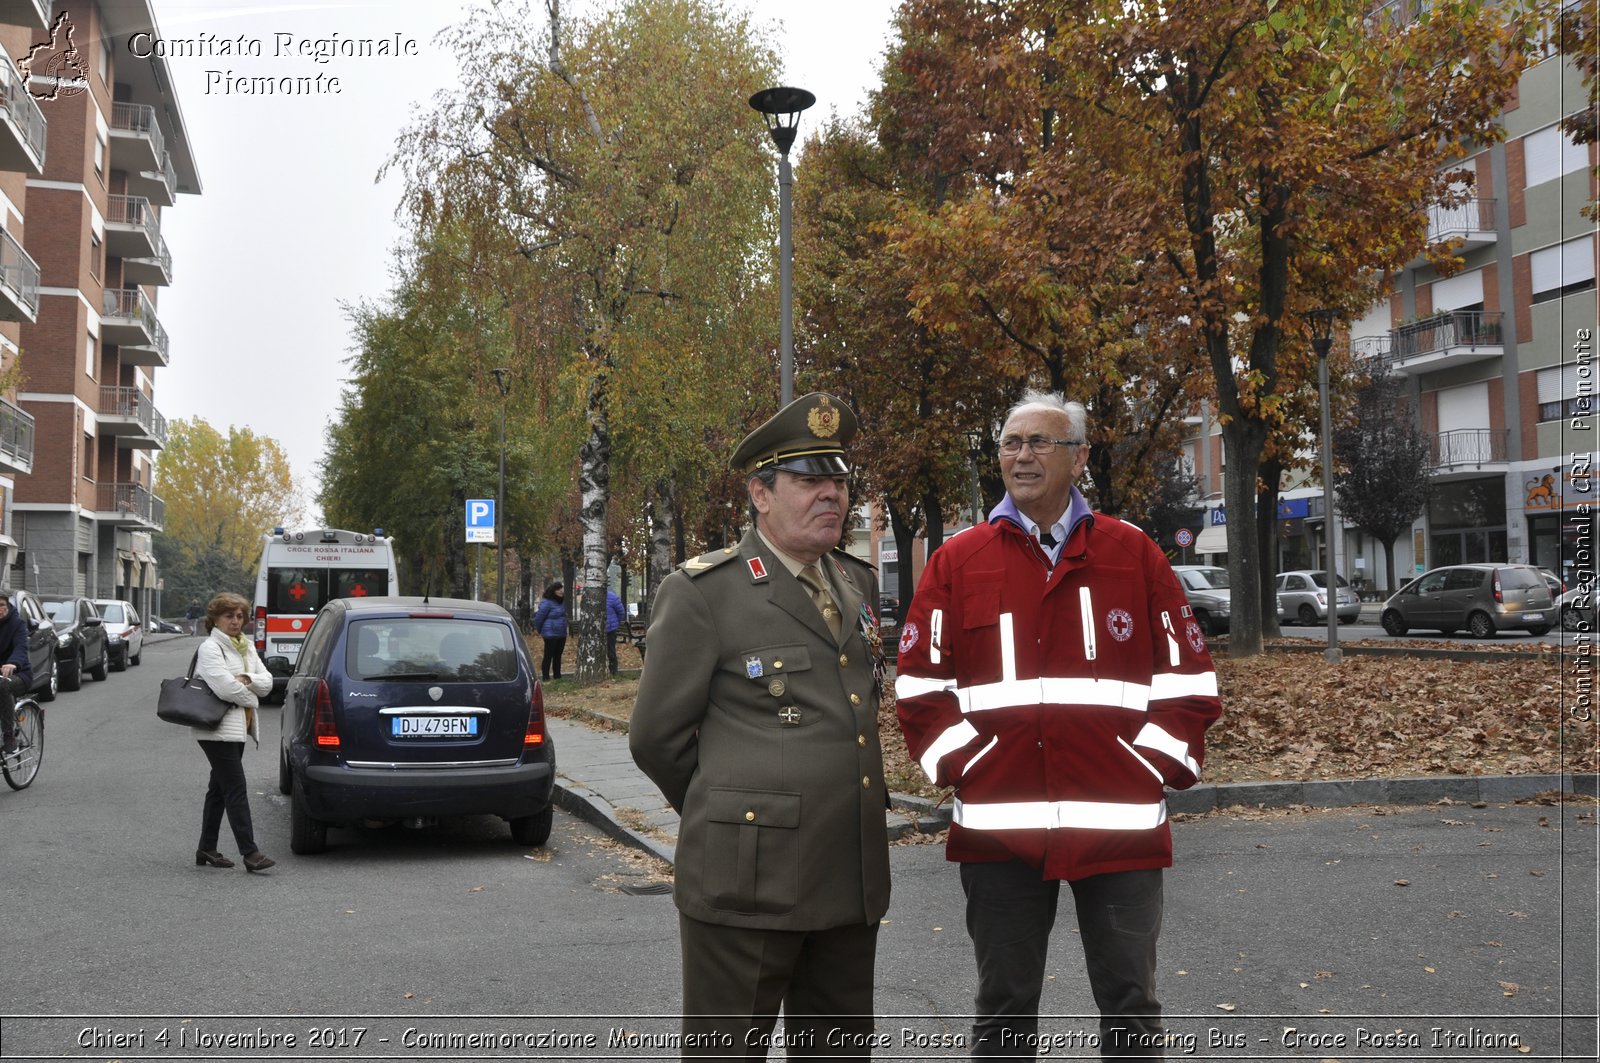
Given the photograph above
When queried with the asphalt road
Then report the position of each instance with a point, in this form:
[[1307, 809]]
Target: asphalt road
[[1461, 927]]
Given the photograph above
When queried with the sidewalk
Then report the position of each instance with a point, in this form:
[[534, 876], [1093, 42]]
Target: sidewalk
[[597, 781]]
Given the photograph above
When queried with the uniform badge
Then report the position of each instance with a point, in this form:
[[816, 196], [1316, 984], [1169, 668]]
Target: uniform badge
[[753, 669], [1197, 641], [775, 688], [1186, 611], [823, 420], [1120, 623], [789, 715], [757, 569], [908, 638]]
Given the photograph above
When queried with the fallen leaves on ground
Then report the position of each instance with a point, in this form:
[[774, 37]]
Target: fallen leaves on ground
[[1292, 715]]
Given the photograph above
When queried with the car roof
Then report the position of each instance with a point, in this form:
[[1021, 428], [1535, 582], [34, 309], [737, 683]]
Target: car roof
[[400, 604]]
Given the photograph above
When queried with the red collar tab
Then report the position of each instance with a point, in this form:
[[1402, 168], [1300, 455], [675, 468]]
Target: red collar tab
[[758, 571]]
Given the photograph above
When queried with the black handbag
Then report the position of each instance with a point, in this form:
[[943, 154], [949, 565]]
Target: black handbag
[[188, 701]]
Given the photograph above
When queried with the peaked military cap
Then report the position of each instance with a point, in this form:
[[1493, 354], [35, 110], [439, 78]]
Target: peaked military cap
[[807, 436]]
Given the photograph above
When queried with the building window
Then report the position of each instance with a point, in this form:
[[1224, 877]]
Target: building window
[[88, 357], [95, 256], [99, 155], [1563, 394], [1562, 269], [1549, 153], [88, 456]]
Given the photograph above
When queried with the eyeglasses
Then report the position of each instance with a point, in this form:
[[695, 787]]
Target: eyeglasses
[[1011, 446]]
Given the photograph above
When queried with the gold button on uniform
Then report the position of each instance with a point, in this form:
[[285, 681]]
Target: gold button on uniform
[[775, 688], [855, 699], [861, 740], [866, 782], [750, 817], [777, 664], [844, 659]]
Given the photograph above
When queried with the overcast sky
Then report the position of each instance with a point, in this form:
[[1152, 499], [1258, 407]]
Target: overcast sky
[[291, 225]]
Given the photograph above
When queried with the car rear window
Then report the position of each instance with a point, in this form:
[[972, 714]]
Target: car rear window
[[1321, 579], [1201, 579], [1520, 578], [431, 648], [61, 612]]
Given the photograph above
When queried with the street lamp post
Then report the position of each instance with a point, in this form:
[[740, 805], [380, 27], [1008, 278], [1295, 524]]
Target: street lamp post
[[782, 106], [1321, 323], [502, 380], [974, 452]]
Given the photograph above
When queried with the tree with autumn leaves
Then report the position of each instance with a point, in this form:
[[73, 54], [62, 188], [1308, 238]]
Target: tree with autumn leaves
[[1147, 197]]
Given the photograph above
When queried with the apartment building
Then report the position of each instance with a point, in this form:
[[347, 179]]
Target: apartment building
[[1499, 359], [100, 152]]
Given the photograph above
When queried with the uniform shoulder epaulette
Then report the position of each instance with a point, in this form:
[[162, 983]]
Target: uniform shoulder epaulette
[[706, 562], [839, 552]]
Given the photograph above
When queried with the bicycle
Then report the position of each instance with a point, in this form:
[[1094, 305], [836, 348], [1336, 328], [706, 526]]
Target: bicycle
[[22, 766]]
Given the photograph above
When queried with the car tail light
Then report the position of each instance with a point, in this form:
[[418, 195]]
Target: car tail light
[[1498, 597], [323, 728], [261, 629], [534, 735]]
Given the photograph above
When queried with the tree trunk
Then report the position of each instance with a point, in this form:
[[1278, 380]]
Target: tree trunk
[[594, 491], [659, 562], [932, 521], [904, 541], [1244, 572], [1388, 566]]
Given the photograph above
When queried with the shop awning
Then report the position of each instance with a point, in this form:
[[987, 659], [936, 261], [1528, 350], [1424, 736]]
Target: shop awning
[[1212, 539]]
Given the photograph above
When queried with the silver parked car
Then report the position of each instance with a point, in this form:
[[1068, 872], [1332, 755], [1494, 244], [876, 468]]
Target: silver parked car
[[1303, 597], [1206, 587], [124, 632], [1575, 609], [1483, 599]]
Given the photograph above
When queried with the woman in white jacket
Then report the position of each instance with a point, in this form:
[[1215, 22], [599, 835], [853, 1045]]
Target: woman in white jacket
[[229, 664]]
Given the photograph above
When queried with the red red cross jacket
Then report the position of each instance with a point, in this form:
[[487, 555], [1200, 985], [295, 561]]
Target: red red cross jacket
[[1060, 702]]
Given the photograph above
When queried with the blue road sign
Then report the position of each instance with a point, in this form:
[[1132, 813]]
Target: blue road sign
[[480, 520]]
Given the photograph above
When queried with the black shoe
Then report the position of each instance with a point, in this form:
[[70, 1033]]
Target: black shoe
[[258, 861], [211, 858]]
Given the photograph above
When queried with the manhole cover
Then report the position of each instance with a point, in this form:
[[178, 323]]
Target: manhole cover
[[647, 889]]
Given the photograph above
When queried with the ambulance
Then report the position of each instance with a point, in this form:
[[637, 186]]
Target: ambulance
[[300, 571]]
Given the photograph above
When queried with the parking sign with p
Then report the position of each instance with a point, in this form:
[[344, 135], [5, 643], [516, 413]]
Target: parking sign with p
[[480, 520]]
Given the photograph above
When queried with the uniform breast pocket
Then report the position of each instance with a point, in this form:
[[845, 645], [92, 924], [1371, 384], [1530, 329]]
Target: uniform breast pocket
[[771, 673], [752, 850], [980, 627]]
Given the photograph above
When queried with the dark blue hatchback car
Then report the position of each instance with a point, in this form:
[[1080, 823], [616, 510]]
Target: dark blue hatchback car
[[408, 709]]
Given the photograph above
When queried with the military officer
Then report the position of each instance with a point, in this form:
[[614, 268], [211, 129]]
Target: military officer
[[757, 717]]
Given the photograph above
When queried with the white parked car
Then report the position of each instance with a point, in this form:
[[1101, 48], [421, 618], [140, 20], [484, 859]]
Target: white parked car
[[124, 632], [1303, 597]]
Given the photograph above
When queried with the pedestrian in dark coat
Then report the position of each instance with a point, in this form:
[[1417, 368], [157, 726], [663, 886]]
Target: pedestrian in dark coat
[[550, 621], [614, 618], [757, 717]]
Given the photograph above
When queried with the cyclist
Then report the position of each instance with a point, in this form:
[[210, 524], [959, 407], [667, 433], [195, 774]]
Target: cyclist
[[16, 673]]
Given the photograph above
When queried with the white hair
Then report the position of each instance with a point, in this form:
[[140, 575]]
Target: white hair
[[1077, 415]]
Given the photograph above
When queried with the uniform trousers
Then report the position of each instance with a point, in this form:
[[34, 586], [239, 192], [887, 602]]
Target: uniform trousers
[[735, 978], [1010, 912], [226, 792]]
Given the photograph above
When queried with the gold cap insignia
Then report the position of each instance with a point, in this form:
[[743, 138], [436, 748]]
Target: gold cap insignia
[[823, 420]]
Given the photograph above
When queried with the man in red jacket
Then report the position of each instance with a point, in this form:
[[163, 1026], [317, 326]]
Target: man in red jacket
[[1052, 671]]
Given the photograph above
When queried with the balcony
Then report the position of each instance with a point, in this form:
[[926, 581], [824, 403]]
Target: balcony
[[19, 281], [1447, 340], [137, 145], [156, 270], [1468, 450], [160, 185], [128, 414], [129, 322], [22, 125], [132, 228], [16, 438], [130, 505], [1471, 222], [33, 14]]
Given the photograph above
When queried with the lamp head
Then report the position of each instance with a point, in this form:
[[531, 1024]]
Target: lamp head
[[1320, 322], [781, 105]]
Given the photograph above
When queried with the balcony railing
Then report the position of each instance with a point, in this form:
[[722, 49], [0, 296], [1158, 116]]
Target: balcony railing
[[136, 212], [16, 436], [19, 275], [20, 106], [139, 118], [134, 501], [1471, 216], [131, 404], [156, 269], [133, 306], [1442, 332], [1469, 446]]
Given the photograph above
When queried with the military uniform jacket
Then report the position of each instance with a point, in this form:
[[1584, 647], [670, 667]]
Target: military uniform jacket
[[761, 730]]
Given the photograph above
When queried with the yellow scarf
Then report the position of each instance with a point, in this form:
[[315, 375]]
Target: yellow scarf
[[243, 647]]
